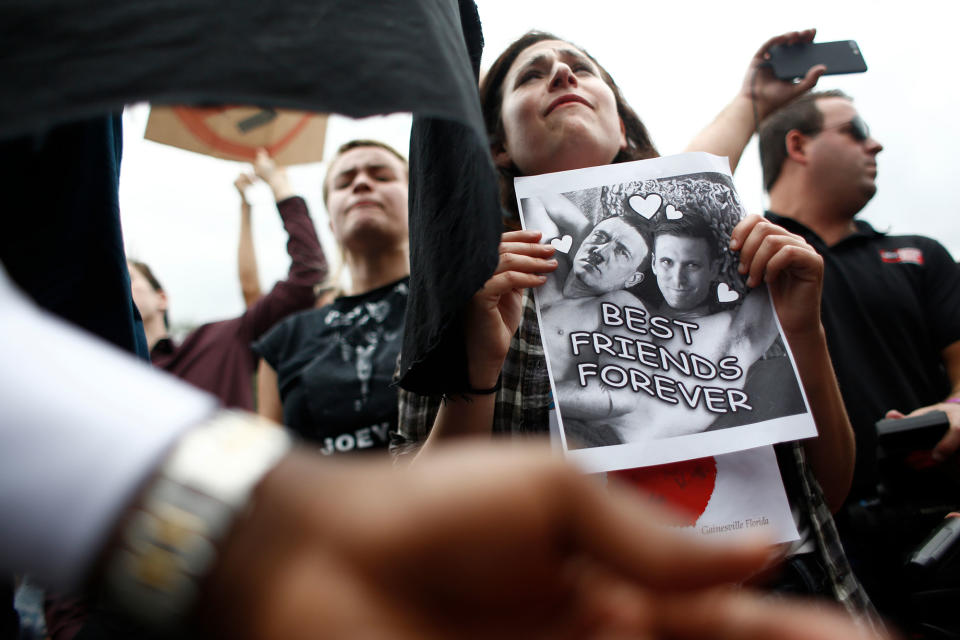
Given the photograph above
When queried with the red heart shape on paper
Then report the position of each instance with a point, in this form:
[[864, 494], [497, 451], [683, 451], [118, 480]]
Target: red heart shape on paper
[[685, 486]]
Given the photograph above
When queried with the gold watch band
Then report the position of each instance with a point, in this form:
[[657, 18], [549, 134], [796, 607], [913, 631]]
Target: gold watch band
[[169, 543]]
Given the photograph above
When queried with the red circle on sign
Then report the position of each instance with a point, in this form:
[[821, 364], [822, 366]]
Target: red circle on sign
[[195, 120]]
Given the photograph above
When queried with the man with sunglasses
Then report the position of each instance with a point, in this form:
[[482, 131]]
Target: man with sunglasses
[[891, 310]]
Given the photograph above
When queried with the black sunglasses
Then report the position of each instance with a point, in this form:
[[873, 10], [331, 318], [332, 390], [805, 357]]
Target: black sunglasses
[[856, 128]]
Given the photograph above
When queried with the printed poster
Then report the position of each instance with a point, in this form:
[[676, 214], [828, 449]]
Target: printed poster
[[656, 349]]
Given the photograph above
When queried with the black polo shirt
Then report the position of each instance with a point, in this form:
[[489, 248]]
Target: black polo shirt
[[891, 304]]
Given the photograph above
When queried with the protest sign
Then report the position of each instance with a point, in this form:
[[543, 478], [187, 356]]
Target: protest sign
[[656, 349], [235, 133]]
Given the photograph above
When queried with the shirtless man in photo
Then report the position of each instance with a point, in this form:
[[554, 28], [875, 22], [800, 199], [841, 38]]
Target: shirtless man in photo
[[600, 260], [686, 264], [644, 373]]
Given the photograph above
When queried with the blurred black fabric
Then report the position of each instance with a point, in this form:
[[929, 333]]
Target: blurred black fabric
[[9, 620], [65, 60], [61, 240]]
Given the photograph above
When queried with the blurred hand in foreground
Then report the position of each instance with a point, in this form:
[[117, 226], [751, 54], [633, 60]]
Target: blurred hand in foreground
[[480, 541]]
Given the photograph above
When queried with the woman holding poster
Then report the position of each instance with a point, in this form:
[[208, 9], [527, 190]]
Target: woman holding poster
[[549, 107]]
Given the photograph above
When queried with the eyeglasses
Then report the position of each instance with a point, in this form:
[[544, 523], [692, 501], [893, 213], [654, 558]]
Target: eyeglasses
[[856, 128]]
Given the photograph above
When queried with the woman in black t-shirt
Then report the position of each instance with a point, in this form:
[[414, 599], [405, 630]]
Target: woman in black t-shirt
[[326, 372]]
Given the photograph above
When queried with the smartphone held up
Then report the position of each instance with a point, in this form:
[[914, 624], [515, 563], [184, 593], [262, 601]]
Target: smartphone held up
[[791, 62]]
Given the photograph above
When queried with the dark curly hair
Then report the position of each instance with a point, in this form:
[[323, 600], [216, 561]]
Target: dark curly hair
[[639, 145]]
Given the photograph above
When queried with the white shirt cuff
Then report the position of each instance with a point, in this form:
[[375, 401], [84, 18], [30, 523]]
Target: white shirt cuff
[[82, 426]]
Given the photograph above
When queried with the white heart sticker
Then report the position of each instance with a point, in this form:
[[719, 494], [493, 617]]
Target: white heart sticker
[[673, 213], [726, 294], [646, 207], [562, 244]]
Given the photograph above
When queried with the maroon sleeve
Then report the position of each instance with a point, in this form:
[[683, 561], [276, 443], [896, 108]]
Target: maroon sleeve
[[308, 267]]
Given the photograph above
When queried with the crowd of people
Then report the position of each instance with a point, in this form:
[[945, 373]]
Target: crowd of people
[[446, 535]]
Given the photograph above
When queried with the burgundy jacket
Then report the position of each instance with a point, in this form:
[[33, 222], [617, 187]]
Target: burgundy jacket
[[217, 357]]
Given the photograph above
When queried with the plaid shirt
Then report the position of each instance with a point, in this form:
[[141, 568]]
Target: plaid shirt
[[522, 406], [847, 590], [523, 400]]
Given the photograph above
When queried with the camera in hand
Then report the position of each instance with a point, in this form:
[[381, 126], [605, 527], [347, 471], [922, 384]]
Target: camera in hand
[[906, 467], [913, 494], [790, 62], [900, 436]]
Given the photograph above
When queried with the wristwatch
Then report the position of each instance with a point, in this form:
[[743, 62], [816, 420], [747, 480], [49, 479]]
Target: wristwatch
[[169, 542]]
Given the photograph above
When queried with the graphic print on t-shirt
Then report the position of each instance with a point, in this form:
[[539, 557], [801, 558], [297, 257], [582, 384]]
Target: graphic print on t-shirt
[[335, 367], [359, 347]]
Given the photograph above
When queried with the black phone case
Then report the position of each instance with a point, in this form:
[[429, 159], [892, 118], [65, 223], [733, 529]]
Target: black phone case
[[916, 433], [790, 62]]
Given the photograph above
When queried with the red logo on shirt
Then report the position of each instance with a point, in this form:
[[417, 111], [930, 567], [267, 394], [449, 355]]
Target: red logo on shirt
[[906, 254]]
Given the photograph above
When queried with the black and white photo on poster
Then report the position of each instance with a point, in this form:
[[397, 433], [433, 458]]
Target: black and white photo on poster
[[657, 350]]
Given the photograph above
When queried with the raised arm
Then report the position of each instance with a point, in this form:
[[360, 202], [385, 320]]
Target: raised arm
[[760, 95], [793, 272], [308, 265], [274, 175], [247, 270]]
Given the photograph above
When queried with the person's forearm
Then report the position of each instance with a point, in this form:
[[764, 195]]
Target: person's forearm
[[308, 264], [269, 404], [460, 416], [247, 270], [832, 453], [308, 267], [729, 132], [280, 185]]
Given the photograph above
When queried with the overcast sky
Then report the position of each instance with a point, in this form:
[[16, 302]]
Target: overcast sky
[[677, 63]]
